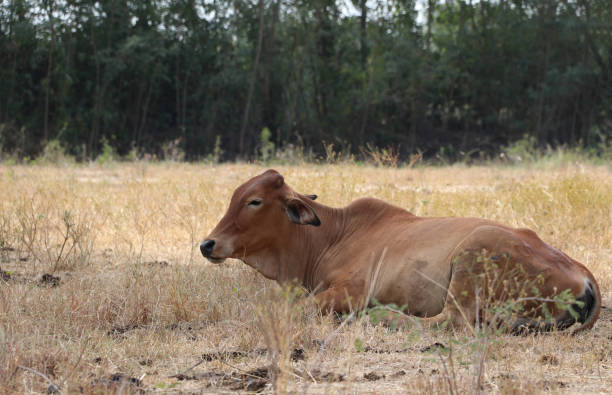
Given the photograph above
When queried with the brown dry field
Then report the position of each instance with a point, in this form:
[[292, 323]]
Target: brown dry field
[[133, 307]]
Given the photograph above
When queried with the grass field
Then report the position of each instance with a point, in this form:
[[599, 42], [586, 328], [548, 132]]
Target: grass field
[[103, 288]]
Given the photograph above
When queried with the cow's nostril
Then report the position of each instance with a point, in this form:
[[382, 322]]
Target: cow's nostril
[[206, 247]]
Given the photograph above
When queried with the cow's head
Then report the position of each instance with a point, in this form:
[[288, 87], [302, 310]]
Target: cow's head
[[260, 214]]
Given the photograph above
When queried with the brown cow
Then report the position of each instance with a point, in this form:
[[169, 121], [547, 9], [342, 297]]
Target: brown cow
[[433, 267]]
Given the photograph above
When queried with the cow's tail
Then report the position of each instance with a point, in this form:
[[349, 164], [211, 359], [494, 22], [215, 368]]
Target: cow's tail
[[588, 313]]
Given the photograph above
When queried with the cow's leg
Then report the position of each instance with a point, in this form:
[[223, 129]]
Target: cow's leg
[[488, 265], [460, 318], [457, 311], [473, 275], [334, 300], [459, 308]]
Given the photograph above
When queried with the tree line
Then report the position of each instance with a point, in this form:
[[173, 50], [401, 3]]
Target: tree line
[[208, 76]]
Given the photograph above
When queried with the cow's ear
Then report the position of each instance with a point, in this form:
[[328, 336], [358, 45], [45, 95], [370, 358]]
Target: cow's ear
[[301, 213], [311, 197]]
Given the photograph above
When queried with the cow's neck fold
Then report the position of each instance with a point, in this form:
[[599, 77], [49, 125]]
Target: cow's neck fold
[[310, 244]]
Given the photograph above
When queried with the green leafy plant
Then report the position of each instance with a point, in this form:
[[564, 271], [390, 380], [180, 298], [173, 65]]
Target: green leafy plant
[[107, 153], [54, 153], [266, 146], [524, 150]]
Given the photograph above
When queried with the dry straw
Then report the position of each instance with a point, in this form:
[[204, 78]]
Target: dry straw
[[130, 303]]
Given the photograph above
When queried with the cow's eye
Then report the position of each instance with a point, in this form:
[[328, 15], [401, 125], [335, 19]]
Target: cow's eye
[[255, 202]]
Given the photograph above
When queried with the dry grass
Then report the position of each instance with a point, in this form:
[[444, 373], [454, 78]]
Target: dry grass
[[135, 297]]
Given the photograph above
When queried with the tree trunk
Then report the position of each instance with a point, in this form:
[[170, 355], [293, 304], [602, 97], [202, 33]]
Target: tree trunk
[[49, 69], [431, 4], [247, 109], [177, 93], [364, 43], [95, 120], [540, 134]]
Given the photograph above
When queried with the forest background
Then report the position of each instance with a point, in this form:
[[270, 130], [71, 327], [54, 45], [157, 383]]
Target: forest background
[[197, 79]]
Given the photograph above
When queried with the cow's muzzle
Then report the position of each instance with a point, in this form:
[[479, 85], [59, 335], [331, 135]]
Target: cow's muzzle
[[206, 247]]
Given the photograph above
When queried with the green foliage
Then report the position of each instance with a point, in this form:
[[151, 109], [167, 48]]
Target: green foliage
[[266, 146], [172, 151], [522, 150], [217, 153], [566, 301], [54, 153], [359, 345], [107, 153], [164, 386], [468, 83]]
